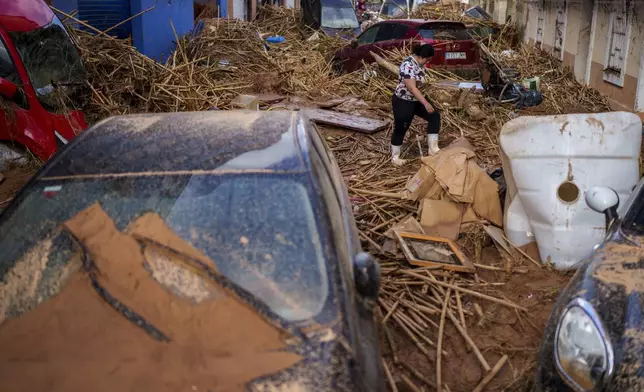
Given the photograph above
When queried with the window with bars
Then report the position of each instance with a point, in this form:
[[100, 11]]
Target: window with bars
[[541, 18], [617, 48], [560, 30]]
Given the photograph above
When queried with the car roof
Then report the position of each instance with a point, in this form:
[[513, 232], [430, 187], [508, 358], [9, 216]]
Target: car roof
[[24, 15], [187, 142], [418, 22]]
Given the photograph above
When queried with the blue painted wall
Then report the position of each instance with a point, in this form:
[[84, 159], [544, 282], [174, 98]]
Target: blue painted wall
[[222, 6], [152, 32]]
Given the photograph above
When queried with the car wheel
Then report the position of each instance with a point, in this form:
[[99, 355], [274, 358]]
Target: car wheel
[[12, 155]]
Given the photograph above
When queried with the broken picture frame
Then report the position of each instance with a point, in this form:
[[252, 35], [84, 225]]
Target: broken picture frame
[[427, 251]]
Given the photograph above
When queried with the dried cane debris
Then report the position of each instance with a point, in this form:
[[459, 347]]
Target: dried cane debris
[[231, 57]]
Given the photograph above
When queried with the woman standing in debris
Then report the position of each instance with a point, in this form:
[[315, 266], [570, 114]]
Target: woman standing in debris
[[408, 102]]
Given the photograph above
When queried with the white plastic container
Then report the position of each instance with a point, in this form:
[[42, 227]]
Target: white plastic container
[[553, 161]]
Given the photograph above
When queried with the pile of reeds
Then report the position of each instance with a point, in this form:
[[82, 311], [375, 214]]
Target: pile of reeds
[[231, 57]]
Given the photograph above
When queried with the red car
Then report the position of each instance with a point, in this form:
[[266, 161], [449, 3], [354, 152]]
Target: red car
[[41, 77], [454, 46]]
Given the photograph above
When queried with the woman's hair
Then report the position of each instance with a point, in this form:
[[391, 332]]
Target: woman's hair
[[423, 51]]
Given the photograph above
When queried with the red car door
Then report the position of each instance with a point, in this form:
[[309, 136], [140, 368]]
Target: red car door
[[384, 40], [14, 117], [360, 48]]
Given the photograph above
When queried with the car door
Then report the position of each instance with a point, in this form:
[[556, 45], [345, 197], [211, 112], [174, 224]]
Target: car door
[[362, 322], [364, 44], [14, 119], [384, 39]]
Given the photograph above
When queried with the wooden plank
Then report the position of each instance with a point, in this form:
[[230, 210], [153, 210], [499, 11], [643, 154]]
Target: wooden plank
[[348, 121]]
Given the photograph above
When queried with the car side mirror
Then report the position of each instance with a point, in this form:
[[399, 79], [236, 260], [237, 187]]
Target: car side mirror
[[366, 273], [354, 44], [604, 200], [7, 88], [12, 92]]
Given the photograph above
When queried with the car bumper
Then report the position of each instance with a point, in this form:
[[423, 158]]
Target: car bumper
[[470, 71]]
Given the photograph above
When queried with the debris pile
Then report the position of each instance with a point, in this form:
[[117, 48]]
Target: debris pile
[[230, 58]]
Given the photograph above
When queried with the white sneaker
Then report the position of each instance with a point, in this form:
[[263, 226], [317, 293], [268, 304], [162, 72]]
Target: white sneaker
[[432, 143], [395, 156]]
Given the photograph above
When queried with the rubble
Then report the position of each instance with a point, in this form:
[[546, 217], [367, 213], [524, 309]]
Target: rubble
[[230, 58]]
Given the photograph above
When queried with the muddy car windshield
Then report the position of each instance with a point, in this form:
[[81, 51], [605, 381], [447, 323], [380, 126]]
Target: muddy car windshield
[[339, 18], [53, 64], [259, 230]]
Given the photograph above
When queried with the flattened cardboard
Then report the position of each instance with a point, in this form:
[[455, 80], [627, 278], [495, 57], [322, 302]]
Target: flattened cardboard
[[408, 224], [419, 184], [441, 218], [461, 264], [487, 203], [450, 168]]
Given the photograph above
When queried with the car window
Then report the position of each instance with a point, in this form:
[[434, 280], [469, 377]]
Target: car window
[[444, 31], [339, 18], [260, 230], [396, 8], [369, 36], [334, 211], [400, 32], [386, 32], [7, 69], [53, 64], [338, 183]]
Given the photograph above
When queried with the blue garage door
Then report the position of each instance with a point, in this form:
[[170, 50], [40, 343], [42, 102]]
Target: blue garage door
[[103, 14]]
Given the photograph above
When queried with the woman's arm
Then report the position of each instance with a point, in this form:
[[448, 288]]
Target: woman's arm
[[411, 86]]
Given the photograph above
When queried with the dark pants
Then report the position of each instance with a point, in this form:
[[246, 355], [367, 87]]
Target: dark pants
[[404, 112]]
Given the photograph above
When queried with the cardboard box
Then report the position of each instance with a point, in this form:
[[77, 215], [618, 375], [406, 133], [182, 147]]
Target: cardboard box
[[441, 218], [419, 184]]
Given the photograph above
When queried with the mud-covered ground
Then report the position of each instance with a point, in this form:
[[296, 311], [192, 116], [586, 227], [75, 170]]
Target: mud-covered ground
[[501, 330]]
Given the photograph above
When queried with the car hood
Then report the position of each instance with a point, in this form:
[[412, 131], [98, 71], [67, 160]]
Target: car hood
[[324, 367], [613, 282], [348, 34]]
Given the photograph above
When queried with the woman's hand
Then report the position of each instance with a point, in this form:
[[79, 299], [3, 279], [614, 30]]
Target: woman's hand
[[429, 107]]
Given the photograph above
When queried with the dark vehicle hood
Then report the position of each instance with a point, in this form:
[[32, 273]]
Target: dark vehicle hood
[[348, 34], [325, 366], [613, 282]]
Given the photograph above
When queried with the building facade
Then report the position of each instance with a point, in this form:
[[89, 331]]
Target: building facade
[[602, 41]]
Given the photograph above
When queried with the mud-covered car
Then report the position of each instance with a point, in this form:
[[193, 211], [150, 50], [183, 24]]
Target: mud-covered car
[[188, 251], [594, 340]]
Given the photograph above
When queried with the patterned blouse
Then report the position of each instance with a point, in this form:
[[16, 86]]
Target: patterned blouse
[[409, 69]]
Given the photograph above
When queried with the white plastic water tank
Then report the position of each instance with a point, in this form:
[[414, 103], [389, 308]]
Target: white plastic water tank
[[554, 160]]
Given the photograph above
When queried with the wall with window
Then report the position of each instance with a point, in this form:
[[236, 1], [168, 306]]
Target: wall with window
[[615, 51], [601, 41]]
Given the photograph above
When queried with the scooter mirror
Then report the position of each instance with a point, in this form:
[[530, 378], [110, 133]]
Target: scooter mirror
[[603, 200]]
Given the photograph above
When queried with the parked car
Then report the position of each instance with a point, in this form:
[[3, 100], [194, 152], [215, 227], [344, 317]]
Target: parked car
[[454, 47], [594, 340], [215, 178], [477, 12], [41, 76], [332, 17], [395, 8]]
